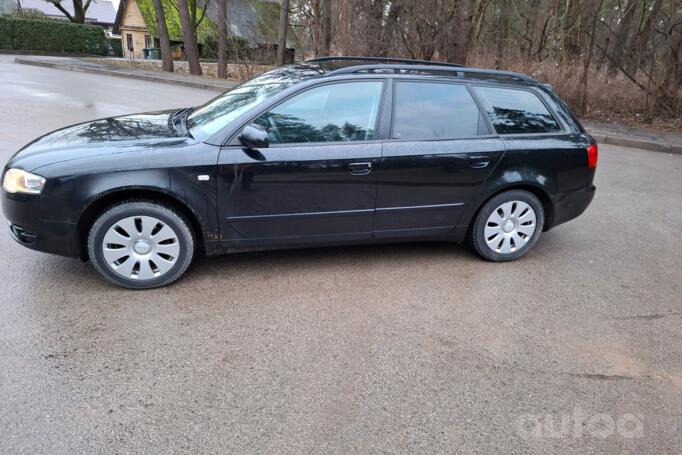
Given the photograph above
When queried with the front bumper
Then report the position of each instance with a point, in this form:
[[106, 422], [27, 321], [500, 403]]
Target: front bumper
[[28, 229], [567, 206]]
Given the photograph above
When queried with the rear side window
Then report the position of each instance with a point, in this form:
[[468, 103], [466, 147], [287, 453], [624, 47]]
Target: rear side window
[[517, 111], [424, 111]]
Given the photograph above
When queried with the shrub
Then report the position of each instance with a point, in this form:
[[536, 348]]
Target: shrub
[[30, 13], [51, 36], [237, 48], [116, 46]]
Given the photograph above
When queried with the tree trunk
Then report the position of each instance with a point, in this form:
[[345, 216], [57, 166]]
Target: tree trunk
[[459, 50], [190, 41], [622, 33], [582, 106], [571, 31], [326, 26], [282, 33], [502, 35], [78, 12], [222, 39], [316, 27], [78, 15], [669, 91], [533, 31], [164, 41], [638, 44]]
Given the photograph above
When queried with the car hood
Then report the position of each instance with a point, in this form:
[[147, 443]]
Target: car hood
[[101, 137]]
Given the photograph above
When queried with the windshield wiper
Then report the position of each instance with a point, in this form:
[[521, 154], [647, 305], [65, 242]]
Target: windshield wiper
[[182, 115]]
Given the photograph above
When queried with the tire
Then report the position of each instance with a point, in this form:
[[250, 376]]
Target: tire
[[141, 245], [507, 226]]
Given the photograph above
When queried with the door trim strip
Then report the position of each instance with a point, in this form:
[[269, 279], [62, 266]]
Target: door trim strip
[[419, 207], [281, 215], [340, 212]]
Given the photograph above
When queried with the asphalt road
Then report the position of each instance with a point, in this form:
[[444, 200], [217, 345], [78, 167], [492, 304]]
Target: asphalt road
[[416, 348]]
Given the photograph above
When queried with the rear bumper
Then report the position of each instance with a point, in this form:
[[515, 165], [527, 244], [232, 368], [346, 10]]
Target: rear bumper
[[29, 230], [566, 206]]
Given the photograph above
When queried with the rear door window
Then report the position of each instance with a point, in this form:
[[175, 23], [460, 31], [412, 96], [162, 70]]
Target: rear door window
[[433, 111], [517, 111]]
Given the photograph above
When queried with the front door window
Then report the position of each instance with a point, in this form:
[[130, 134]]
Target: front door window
[[342, 112]]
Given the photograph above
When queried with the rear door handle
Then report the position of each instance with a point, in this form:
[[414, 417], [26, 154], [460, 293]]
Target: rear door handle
[[479, 162], [360, 168]]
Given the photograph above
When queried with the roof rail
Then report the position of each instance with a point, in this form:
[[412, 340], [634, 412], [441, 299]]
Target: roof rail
[[434, 69], [346, 58]]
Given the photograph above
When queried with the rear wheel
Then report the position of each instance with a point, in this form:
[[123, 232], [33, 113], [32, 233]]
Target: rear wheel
[[141, 245], [507, 226]]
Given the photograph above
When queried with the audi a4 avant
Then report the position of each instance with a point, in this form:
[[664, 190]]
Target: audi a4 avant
[[329, 151]]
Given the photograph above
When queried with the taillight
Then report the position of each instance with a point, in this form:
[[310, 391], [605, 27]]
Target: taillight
[[592, 156]]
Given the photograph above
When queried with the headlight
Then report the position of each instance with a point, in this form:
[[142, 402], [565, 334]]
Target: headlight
[[20, 181]]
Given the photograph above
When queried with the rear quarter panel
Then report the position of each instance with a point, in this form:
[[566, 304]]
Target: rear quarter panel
[[554, 164]]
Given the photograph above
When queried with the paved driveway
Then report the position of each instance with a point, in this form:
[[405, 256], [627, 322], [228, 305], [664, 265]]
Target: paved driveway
[[416, 348]]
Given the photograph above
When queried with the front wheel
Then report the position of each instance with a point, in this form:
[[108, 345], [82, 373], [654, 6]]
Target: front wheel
[[507, 226], [141, 245]]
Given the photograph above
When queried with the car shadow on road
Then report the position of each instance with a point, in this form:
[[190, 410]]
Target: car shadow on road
[[333, 256]]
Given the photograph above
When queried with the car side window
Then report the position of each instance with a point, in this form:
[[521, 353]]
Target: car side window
[[517, 111], [431, 110], [339, 112]]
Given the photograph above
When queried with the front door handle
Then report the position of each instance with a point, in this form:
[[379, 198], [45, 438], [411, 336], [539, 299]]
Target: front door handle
[[360, 168], [479, 162]]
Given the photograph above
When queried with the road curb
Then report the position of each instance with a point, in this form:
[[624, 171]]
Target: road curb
[[602, 138], [122, 73], [625, 141]]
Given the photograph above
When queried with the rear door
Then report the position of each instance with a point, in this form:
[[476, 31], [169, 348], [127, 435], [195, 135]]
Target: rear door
[[439, 153]]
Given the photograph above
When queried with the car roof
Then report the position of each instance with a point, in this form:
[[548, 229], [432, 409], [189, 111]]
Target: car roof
[[324, 67]]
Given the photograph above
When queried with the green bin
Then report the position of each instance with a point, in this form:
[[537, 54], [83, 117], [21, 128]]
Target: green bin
[[154, 53]]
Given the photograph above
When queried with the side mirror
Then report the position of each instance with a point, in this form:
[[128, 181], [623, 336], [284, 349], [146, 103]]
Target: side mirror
[[253, 137]]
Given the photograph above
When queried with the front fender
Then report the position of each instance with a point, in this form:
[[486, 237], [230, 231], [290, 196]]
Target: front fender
[[65, 199]]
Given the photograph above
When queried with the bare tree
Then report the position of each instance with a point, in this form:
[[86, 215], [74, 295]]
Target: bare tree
[[638, 44], [462, 32], [189, 38], [326, 26], [79, 9], [164, 41], [502, 33], [282, 33], [594, 12], [316, 26], [565, 42], [669, 92], [622, 35], [222, 39]]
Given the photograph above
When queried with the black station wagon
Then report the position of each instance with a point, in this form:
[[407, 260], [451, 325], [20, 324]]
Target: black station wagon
[[330, 151]]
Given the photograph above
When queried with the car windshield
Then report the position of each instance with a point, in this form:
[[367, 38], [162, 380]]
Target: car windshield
[[219, 112]]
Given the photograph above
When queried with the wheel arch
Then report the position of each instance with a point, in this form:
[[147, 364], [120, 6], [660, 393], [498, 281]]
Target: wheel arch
[[532, 188], [105, 200]]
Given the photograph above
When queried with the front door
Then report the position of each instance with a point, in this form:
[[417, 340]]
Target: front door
[[439, 153], [316, 182]]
